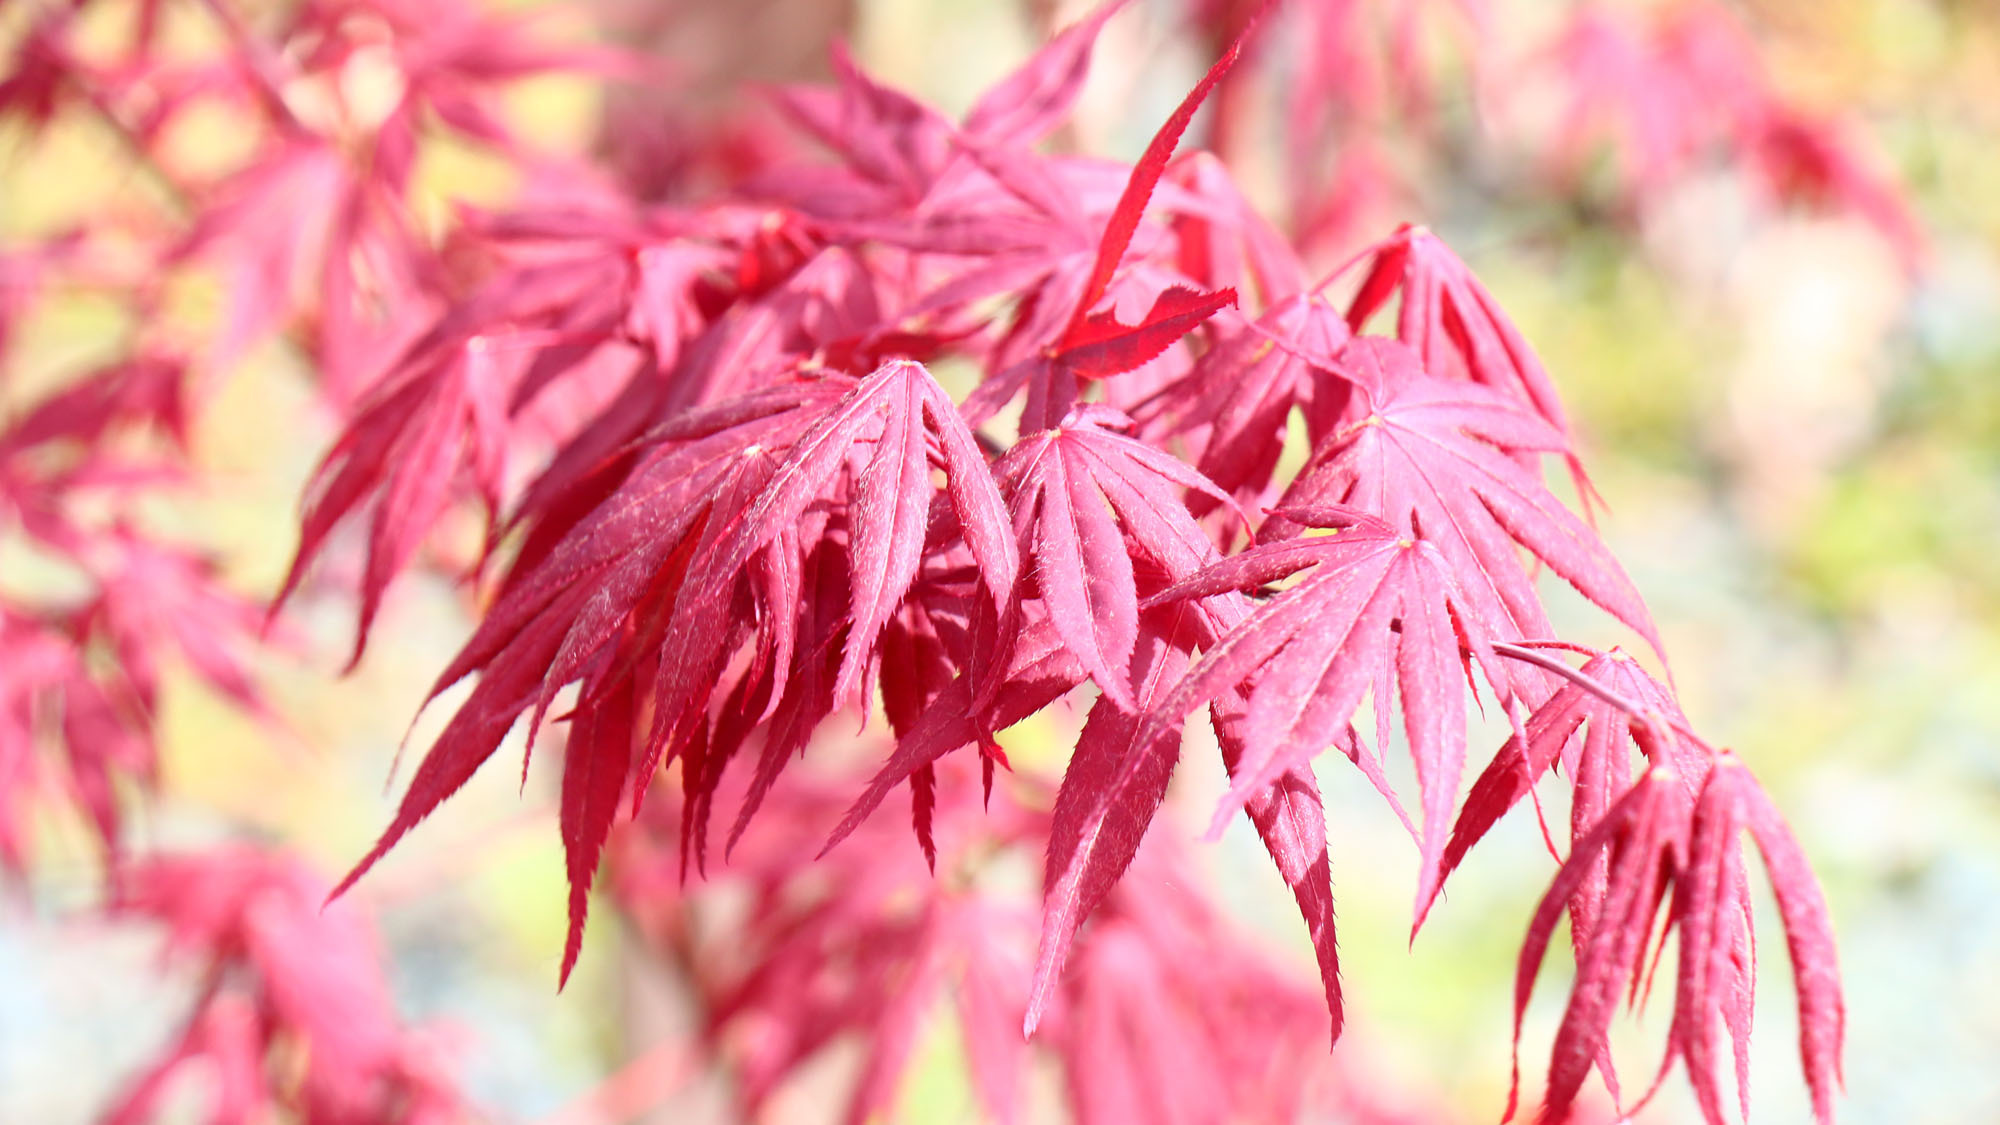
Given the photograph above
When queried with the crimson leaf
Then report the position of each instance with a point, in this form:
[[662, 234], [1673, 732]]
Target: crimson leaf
[[1379, 608], [1433, 454]]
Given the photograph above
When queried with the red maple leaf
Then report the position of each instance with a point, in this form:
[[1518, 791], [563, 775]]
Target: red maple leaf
[[1445, 460], [1379, 611], [1673, 832], [1236, 403], [1452, 323], [594, 609]]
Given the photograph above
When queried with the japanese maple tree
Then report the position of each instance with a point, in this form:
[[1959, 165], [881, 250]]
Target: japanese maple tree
[[921, 427]]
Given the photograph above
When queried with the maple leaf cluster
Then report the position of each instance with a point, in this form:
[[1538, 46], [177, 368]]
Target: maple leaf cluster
[[313, 241], [1673, 90], [920, 423], [79, 705], [1170, 1014], [293, 1013], [312, 244], [785, 515], [1650, 96]]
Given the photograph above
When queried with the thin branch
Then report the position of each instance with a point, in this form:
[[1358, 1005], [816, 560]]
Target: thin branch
[[1552, 665], [1528, 655]]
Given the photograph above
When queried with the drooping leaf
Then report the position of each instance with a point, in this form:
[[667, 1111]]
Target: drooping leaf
[[593, 779], [560, 613], [1655, 839], [1643, 837], [1082, 568], [1041, 670], [1808, 938], [439, 414], [1110, 793], [1711, 910], [1291, 820]]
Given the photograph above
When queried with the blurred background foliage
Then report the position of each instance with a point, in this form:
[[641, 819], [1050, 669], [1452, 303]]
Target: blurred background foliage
[[1797, 438]]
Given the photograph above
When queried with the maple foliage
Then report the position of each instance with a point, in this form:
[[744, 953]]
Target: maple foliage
[[1667, 90], [808, 530], [924, 423], [79, 706], [1168, 1016], [282, 976]]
